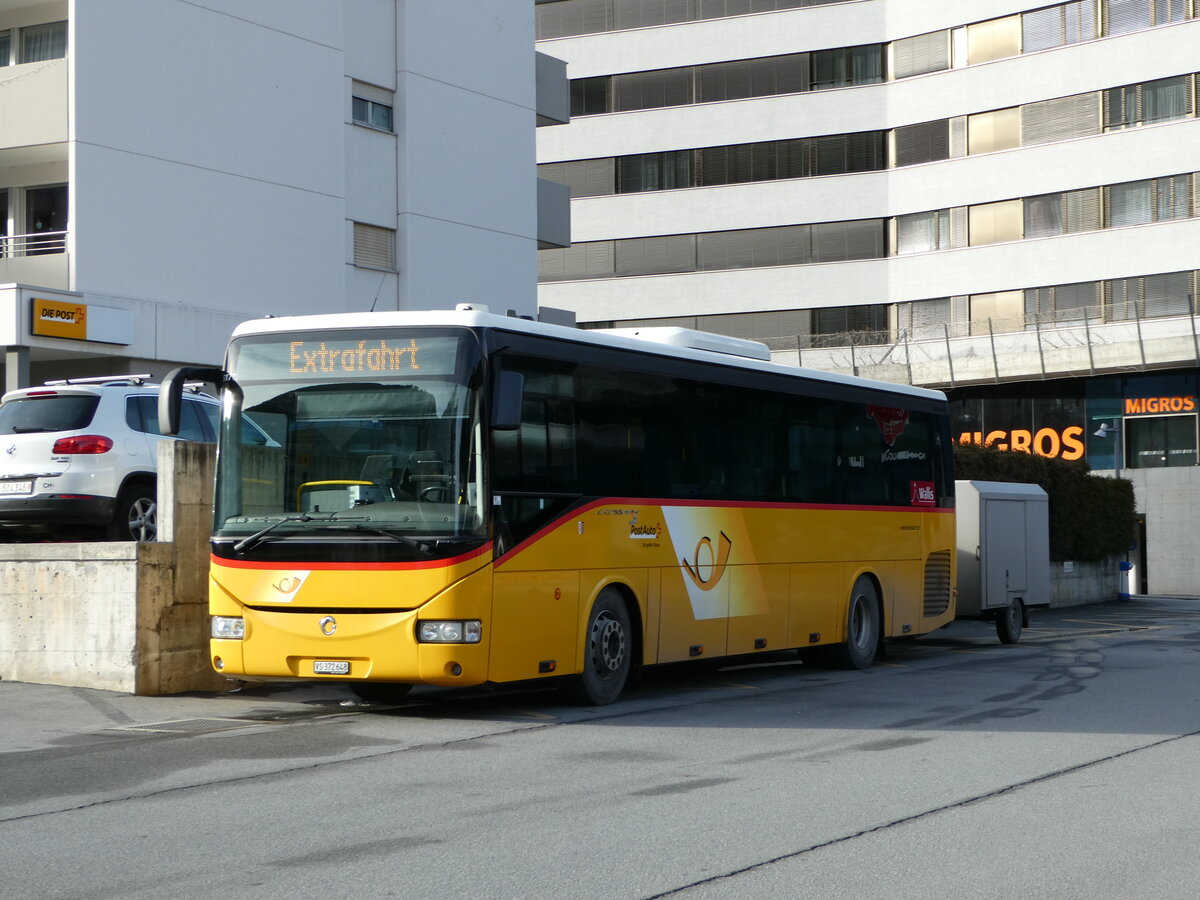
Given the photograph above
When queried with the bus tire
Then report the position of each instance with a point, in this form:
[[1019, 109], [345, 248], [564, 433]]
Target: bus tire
[[863, 628], [607, 652], [380, 691], [1009, 622]]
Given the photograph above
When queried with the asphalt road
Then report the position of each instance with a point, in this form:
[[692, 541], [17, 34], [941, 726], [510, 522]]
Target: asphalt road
[[1065, 766]]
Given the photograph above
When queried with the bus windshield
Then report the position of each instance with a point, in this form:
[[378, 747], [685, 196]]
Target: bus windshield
[[364, 439]]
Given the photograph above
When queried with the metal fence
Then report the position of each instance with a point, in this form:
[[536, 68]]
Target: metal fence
[[1079, 341]]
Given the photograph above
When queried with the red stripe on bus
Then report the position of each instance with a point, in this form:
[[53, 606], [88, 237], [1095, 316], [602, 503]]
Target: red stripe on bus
[[353, 567], [627, 501]]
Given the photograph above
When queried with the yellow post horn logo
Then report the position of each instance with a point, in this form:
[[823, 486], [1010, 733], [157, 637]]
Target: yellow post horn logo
[[717, 564]]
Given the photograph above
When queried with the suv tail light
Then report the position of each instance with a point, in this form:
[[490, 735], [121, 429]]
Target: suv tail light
[[83, 443]]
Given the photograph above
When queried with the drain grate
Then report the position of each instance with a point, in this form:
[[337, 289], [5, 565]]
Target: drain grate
[[191, 726]]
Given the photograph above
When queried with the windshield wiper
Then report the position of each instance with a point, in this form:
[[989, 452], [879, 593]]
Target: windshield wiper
[[247, 542], [419, 546]]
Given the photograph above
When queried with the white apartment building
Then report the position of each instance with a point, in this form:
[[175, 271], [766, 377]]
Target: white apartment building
[[998, 198], [169, 168]]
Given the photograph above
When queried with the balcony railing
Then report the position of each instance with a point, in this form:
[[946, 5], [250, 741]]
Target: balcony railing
[[38, 244]]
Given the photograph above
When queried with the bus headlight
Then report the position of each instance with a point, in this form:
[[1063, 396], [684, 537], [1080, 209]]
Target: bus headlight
[[449, 632], [229, 628]]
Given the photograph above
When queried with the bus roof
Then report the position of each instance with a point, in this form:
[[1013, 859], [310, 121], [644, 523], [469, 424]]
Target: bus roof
[[468, 316]]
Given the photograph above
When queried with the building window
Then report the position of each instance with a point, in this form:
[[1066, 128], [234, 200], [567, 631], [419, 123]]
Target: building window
[[1064, 213], [1055, 26], [565, 18], [1149, 297], [839, 326], [590, 96], [5, 48], [1160, 442], [1152, 200], [44, 42], [923, 231], [921, 54], [847, 66], [1063, 304], [371, 106], [921, 143], [710, 251], [374, 247], [1122, 16], [994, 223], [994, 39], [1144, 104], [45, 220]]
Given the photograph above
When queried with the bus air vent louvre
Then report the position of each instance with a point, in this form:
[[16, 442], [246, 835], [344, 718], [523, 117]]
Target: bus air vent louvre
[[937, 583]]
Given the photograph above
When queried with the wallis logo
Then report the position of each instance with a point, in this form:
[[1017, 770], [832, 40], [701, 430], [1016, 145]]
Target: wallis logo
[[707, 567]]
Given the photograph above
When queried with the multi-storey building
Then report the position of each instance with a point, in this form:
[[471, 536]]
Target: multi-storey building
[[170, 168], [998, 198]]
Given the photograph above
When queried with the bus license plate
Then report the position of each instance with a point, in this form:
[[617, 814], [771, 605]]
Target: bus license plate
[[16, 487], [331, 667]]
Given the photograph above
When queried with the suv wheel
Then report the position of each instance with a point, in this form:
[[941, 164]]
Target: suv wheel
[[136, 517]]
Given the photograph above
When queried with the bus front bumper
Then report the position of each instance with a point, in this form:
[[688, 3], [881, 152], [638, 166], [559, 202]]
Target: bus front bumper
[[345, 647]]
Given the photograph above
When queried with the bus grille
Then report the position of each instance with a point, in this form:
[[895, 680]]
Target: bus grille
[[937, 583]]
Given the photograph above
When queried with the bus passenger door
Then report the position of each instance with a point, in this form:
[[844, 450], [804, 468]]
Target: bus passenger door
[[693, 619]]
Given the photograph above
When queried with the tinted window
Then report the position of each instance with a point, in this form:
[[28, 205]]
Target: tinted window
[[191, 422], [30, 415]]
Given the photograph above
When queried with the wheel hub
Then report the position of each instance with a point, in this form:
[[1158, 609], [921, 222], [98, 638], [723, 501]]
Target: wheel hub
[[608, 643]]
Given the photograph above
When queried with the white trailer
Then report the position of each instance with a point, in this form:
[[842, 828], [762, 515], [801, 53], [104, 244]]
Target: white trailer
[[1003, 553]]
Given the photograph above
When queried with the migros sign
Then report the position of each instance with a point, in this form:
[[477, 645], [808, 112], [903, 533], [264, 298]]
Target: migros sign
[[1141, 406], [1054, 443]]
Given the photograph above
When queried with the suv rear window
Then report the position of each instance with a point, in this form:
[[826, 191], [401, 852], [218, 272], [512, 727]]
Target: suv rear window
[[57, 412]]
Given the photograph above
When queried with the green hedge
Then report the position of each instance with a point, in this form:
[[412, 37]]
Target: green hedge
[[1091, 517]]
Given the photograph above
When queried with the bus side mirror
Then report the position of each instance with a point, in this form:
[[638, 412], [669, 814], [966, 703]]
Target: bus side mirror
[[170, 393], [506, 400]]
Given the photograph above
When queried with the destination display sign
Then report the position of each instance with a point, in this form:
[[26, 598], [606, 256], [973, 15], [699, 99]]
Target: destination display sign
[[324, 357]]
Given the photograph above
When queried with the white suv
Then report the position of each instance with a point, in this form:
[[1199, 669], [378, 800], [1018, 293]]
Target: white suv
[[84, 452]]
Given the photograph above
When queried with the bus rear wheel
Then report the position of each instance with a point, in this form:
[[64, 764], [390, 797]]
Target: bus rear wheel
[[863, 628], [607, 654]]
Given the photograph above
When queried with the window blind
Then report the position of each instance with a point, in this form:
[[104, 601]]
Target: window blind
[[923, 142], [921, 54], [1082, 210], [372, 93], [1130, 203], [1060, 119], [1121, 16], [1058, 25]]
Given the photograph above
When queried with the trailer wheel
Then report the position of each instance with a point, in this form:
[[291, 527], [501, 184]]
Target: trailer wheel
[[1009, 623]]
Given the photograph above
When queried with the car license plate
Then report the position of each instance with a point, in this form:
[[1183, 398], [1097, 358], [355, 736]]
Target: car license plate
[[16, 487], [331, 667]]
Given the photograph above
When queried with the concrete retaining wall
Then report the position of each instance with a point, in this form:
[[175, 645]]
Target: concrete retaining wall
[[118, 616], [1081, 583]]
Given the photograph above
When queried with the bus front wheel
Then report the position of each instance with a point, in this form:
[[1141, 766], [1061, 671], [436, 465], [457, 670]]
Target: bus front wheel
[[607, 653], [862, 628]]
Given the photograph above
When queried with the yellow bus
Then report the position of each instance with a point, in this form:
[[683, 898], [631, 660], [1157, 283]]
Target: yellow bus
[[460, 498]]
